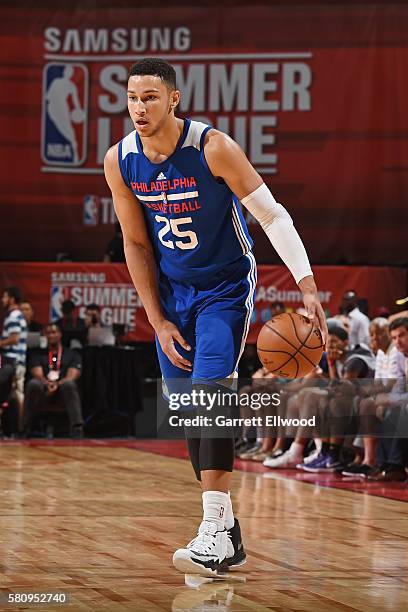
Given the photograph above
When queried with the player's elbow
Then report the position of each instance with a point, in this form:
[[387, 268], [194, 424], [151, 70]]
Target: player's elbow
[[132, 244]]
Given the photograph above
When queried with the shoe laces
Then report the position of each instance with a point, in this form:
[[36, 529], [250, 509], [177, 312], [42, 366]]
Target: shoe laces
[[206, 539]]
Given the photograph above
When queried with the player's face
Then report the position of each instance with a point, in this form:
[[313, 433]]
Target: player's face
[[400, 338], [150, 103]]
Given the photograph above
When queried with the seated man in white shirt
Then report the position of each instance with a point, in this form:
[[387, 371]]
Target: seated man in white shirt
[[358, 321]]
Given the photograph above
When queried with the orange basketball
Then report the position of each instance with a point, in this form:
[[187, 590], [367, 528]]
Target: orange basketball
[[290, 345]]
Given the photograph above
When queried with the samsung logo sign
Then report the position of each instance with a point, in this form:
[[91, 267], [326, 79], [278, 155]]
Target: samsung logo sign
[[118, 40]]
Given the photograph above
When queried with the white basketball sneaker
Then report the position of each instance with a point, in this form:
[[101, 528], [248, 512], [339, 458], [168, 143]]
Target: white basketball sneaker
[[205, 554], [285, 461]]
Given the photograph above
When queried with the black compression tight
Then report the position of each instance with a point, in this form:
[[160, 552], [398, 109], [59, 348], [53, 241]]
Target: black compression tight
[[211, 454]]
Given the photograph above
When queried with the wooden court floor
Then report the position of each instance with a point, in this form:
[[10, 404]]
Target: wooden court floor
[[100, 523]]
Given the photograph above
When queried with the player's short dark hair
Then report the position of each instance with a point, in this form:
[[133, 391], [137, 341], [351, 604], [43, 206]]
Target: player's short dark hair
[[155, 66], [93, 306], [400, 322], [14, 292]]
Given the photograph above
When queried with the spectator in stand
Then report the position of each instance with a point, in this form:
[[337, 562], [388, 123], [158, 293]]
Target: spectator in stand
[[54, 377], [28, 312], [359, 322], [115, 252], [71, 325], [93, 321], [13, 343], [93, 316], [394, 407], [384, 379]]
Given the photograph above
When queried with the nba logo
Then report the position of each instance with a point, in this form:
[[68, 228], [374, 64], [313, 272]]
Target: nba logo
[[57, 296], [91, 210], [64, 114]]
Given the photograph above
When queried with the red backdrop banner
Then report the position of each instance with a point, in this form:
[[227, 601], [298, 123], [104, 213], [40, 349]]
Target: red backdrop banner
[[47, 285], [314, 93]]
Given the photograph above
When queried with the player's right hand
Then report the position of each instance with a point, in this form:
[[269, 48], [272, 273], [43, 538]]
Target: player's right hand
[[167, 334]]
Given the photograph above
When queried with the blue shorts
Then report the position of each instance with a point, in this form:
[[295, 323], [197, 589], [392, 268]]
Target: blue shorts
[[213, 318]]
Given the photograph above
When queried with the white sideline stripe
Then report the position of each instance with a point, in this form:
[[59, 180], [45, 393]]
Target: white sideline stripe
[[174, 196]]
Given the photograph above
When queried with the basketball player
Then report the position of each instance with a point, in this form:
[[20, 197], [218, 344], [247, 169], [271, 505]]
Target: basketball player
[[176, 186]]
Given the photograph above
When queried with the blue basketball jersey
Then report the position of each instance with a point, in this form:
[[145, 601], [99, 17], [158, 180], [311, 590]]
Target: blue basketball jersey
[[195, 222]]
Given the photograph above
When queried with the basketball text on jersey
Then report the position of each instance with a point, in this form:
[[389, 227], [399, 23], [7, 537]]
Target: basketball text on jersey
[[162, 201], [164, 185]]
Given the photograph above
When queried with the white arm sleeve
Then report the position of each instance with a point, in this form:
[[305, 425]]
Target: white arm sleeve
[[278, 226]]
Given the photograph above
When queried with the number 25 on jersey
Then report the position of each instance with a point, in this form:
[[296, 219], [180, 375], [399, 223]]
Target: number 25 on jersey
[[173, 227]]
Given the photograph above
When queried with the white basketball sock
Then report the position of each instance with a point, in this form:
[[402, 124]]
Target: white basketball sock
[[296, 449], [229, 517], [215, 506]]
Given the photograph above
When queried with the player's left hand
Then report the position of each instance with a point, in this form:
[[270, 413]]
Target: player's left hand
[[312, 304]]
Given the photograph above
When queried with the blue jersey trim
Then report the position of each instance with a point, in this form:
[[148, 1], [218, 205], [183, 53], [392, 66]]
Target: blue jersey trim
[[203, 135], [219, 181]]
